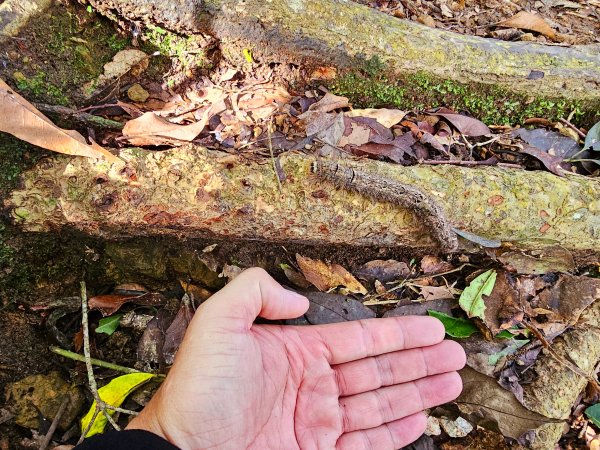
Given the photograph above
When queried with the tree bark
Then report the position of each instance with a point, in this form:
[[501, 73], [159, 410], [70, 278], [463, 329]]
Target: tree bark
[[344, 33], [194, 192]]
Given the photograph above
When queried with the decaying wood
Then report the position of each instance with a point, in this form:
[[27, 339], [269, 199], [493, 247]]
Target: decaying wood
[[195, 192], [343, 33]]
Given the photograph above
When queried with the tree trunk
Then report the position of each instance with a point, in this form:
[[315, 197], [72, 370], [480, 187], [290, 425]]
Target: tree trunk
[[195, 192], [345, 34]]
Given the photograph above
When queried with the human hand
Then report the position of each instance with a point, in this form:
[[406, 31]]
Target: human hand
[[352, 385]]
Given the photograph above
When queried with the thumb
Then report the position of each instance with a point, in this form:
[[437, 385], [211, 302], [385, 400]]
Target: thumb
[[251, 294]]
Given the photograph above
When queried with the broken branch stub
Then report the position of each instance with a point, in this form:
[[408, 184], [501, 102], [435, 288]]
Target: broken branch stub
[[192, 192]]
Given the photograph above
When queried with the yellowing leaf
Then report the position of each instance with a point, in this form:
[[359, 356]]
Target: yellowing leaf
[[471, 299], [526, 20], [328, 276], [21, 119], [114, 394]]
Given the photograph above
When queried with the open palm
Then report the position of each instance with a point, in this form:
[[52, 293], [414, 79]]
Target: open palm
[[352, 385]]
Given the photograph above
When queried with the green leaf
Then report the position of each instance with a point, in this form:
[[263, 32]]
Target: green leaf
[[593, 413], [109, 324], [114, 394], [592, 140], [471, 299], [512, 347], [455, 327]]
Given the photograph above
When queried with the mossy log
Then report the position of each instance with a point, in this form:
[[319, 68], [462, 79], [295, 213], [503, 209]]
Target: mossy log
[[195, 192], [346, 34]]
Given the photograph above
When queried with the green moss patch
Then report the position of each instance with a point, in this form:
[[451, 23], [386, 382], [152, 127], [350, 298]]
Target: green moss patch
[[373, 86]]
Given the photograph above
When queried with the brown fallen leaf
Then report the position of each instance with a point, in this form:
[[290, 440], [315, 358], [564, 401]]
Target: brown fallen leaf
[[489, 405], [569, 297], [433, 264], [525, 20], [430, 293], [465, 124], [21, 119], [331, 308], [329, 103], [176, 331], [328, 276], [386, 117], [150, 129], [552, 163], [503, 308], [110, 304], [383, 270]]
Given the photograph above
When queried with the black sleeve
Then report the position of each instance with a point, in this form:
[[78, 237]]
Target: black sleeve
[[126, 440]]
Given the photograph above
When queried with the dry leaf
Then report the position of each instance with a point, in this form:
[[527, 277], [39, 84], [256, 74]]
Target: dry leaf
[[526, 20], [328, 276], [25, 122], [383, 270], [386, 117], [109, 304], [176, 331], [430, 293], [329, 103], [149, 129], [489, 405], [465, 124], [332, 308]]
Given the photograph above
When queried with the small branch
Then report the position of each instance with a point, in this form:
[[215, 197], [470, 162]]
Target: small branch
[[487, 162], [101, 405], [55, 422], [270, 141], [96, 362], [569, 365], [82, 118], [573, 127]]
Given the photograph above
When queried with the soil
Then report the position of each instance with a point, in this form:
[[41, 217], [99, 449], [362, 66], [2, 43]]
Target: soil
[[578, 22]]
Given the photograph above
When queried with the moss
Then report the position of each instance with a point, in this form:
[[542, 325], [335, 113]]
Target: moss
[[66, 48], [372, 86], [185, 49], [38, 87]]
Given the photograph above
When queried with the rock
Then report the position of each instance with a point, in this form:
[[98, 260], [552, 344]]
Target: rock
[[137, 93], [43, 393]]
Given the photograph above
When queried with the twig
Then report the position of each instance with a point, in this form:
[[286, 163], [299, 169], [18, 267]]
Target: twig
[[101, 405], [55, 422], [270, 141], [573, 127], [80, 117], [568, 364], [96, 362]]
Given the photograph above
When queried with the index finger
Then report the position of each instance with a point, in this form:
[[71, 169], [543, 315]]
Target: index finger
[[350, 341]]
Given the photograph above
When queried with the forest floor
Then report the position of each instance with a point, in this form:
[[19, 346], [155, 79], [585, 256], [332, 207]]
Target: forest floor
[[69, 62]]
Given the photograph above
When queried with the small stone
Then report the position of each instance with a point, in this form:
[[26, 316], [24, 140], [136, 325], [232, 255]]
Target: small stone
[[44, 393], [433, 426], [137, 93], [456, 428], [528, 37], [26, 59]]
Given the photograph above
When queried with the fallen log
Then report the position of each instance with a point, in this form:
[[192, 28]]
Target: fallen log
[[346, 34], [194, 192]]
